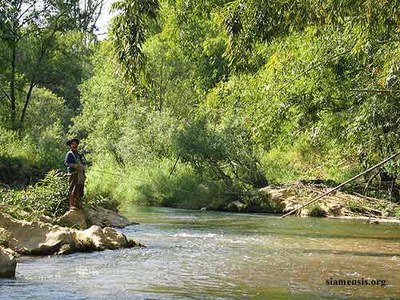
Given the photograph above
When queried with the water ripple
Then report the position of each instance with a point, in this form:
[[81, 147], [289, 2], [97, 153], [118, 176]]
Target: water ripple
[[193, 255]]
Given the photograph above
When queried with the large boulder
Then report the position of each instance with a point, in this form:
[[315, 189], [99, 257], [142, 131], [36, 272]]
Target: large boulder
[[7, 263], [97, 215], [74, 218], [103, 238], [42, 238], [92, 215], [236, 206]]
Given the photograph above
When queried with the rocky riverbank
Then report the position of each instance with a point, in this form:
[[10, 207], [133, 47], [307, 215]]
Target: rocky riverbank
[[285, 198], [89, 230], [336, 204]]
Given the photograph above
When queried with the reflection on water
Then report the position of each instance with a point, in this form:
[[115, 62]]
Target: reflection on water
[[209, 255]]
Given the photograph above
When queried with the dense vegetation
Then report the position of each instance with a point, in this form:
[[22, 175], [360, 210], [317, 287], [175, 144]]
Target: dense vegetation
[[199, 103]]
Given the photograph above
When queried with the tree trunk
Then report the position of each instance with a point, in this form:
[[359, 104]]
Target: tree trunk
[[27, 100], [12, 85]]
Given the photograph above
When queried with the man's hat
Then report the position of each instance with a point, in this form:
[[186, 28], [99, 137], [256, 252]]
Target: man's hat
[[70, 141]]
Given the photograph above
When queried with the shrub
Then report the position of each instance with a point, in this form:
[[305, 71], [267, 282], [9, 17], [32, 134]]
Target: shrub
[[221, 152], [258, 201], [47, 197], [108, 203], [316, 211]]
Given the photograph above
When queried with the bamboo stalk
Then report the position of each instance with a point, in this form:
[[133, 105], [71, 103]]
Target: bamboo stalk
[[342, 184]]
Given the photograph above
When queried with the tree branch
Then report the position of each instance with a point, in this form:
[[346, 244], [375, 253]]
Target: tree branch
[[375, 91], [25, 11], [6, 95]]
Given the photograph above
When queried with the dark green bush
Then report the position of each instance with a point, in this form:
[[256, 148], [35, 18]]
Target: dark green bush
[[316, 211], [17, 171]]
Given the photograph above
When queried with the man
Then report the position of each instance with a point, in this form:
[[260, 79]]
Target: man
[[75, 163]]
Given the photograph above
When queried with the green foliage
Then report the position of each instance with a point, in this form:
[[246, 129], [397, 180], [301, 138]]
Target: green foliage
[[169, 81], [235, 92], [17, 171], [114, 125], [251, 21], [149, 184], [307, 160], [224, 152], [47, 197], [258, 201], [129, 32], [32, 42], [183, 57], [45, 111], [183, 189], [356, 207], [68, 67], [107, 203], [104, 104], [24, 160], [147, 135], [316, 211], [299, 99], [396, 213], [279, 166], [311, 93]]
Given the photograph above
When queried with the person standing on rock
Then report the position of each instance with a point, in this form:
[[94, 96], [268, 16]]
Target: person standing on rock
[[75, 163]]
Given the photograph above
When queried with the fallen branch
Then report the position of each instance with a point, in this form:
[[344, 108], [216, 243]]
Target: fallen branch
[[367, 197], [341, 185]]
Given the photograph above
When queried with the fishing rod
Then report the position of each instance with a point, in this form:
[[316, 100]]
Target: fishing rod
[[118, 174], [342, 184]]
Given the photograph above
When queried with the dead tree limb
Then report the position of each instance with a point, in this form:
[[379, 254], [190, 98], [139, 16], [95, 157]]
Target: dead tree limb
[[342, 184]]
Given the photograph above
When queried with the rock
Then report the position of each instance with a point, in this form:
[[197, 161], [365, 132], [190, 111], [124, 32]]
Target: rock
[[103, 238], [275, 193], [41, 238], [237, 206], [7, 263], [46, 219], [75, 218], [97, 215], [3, 237], [335, 210], [93, 215]]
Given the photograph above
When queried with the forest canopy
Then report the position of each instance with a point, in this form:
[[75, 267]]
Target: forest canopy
[[195, 103]]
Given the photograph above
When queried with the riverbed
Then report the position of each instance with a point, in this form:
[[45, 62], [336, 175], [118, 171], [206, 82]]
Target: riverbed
[[216, 255]]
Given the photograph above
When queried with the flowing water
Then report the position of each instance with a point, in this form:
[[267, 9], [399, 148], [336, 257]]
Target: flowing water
[[213, 255]]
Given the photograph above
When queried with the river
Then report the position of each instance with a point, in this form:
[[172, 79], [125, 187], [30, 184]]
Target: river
[[215, 255]]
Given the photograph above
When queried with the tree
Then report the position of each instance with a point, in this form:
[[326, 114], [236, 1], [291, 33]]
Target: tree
[[28, 29], [129, 31], [224, 151], [183, 57], [104, 105], [251, 21]]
